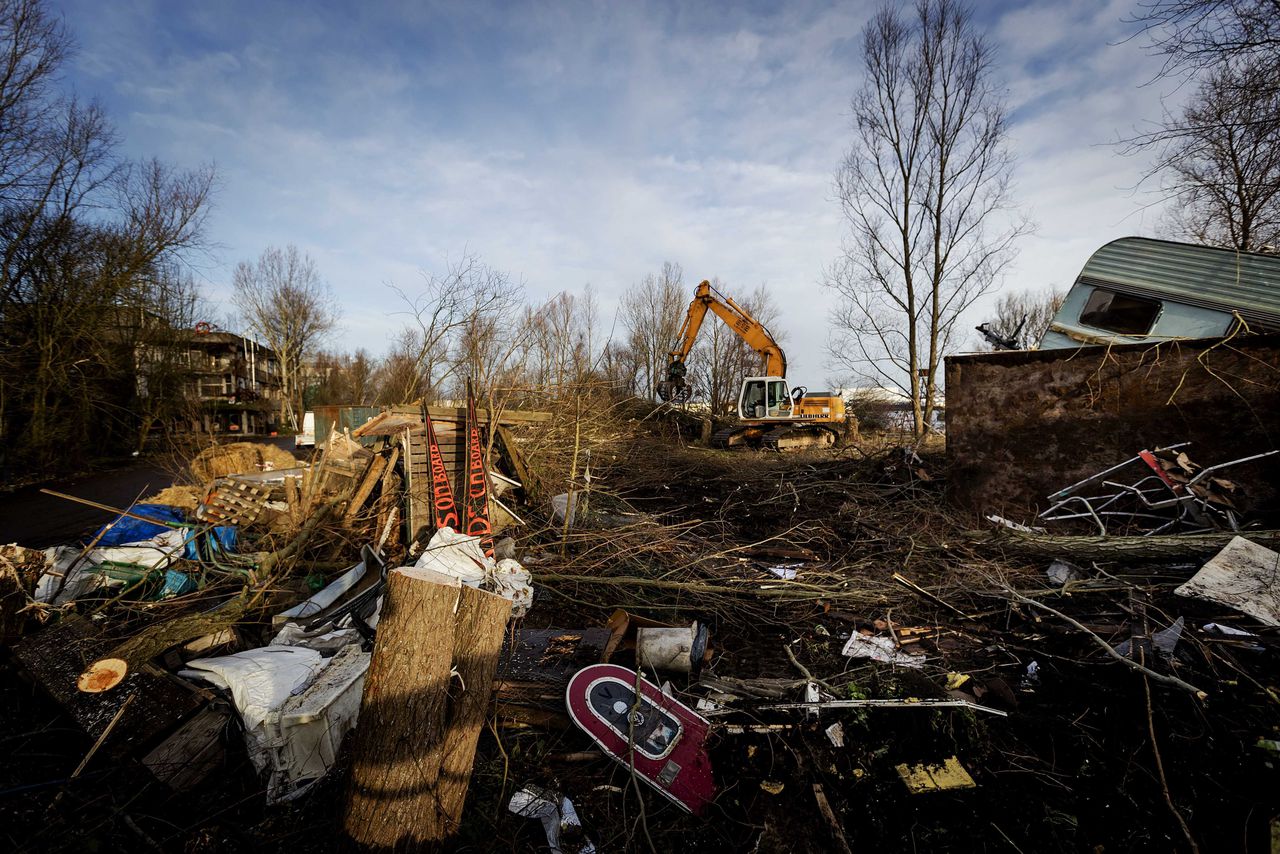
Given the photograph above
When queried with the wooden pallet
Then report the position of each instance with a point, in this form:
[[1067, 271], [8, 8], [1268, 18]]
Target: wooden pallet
[[417, 467], [233, 502]]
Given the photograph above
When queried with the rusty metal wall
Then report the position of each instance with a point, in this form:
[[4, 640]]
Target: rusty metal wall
[[1023, 424]]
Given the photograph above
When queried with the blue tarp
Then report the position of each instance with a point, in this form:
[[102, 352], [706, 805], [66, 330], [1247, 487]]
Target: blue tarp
[[221, 539], [128, 530]]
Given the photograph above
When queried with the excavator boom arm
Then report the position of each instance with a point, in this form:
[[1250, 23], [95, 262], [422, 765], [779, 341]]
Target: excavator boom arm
[[736, 318]]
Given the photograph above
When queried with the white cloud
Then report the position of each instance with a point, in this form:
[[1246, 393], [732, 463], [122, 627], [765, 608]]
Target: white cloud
[[572, 142]]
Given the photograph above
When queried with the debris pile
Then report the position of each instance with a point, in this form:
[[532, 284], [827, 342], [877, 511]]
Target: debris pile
[[448, 624]]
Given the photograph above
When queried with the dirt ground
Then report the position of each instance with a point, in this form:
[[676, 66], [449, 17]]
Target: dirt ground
[[1092, 756]]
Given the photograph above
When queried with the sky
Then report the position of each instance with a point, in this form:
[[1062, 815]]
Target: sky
[[570, 143]]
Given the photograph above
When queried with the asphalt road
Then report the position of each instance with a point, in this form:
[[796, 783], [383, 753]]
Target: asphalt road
[[30, 518]]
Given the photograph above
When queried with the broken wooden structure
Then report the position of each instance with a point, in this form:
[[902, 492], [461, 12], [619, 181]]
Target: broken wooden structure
[[404, 427]]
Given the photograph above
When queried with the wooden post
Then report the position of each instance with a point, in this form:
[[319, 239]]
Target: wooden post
[[418, 728]]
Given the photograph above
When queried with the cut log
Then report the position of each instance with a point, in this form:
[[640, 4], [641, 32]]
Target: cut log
[[1180, 547], [477, 647], [103, 675], [418, 726]]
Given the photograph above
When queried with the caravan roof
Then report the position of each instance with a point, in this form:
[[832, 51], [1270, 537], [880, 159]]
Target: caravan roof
[[1139, 289], [1205, 276]]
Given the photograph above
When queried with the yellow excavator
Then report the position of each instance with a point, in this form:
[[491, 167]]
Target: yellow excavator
[[771, 415]]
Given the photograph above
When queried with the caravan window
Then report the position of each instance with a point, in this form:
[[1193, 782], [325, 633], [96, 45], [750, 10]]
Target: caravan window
[[1119, 312]]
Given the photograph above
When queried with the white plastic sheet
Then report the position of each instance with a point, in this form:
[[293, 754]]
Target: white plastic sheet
[[261, 679], [880, 649], [459, 556], [154, 553]]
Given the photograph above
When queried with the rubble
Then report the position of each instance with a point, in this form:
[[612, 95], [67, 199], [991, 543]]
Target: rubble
[[791, 647]]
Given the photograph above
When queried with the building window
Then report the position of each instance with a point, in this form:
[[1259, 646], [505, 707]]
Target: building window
[[1119, 313]]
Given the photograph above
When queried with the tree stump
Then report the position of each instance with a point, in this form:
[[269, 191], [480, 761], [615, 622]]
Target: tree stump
[[418, 728]]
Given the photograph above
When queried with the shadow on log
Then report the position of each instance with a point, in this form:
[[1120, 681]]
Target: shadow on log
[[425, 699]]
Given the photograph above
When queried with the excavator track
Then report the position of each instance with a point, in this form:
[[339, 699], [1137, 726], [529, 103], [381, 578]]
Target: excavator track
[[724, 437], [797, 437], [782, 438]]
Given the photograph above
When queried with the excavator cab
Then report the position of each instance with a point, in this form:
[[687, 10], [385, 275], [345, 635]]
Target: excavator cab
[[773, 415], [764, 399]]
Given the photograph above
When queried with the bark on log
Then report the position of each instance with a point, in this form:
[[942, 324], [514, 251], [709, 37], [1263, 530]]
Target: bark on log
[[415, 720], [1181, 547], [477, 646]]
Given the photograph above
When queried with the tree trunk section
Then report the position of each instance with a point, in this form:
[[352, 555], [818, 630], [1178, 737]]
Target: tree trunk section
[[1179, 547], [412, 715], [481, 625]]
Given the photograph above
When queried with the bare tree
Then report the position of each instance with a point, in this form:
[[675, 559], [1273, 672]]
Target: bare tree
[[35, 46], [925, 191], [400, 376], [340, 378], [652, 311], [561, 343], [1219, 160], [1198, 34], [361, 370], [621, 369], [489, 351], [91, 251], [284, 302], [468, 292], [1022, 316]]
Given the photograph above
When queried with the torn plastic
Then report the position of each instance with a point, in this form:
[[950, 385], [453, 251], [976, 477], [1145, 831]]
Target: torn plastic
[[127, 529], [1061, 571], [87, 576], [1229, 631], [592, 515], [1165, 640], [786, 571], [324, 639], [559, 819], [459, 556], [1031, 679], [880, 649]]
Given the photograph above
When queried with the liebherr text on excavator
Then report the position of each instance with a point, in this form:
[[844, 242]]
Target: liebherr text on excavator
[[771, 415]]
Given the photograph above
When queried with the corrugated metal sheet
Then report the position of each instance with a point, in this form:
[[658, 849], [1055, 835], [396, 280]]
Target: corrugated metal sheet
[[341, 418], [1205, 276]]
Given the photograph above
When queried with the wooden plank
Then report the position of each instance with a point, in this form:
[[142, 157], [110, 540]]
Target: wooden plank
[[56, 656], [371, 478], [459, 414], [193, 751]]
